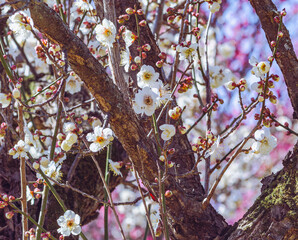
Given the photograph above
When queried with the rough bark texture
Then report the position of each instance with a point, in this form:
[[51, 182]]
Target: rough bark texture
[[274, 214], [186, 218], [184, 208], [287, 61]]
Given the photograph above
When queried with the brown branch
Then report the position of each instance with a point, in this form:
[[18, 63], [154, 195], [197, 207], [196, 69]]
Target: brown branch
[[287, 61]]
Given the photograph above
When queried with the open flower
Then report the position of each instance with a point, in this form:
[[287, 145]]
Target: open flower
[[69, 224], [263, 67], [129, 37], [214, 7], [5, 100], [163, 92], [187, 52], [265, 142], [154, 215], [147, 76], [19, 150], [115, 167], [168, 131], [20, 24], [30, 195], [145, 101], [106, 33], [52, 171], [84, 5], [100, 138], [219, 76], [125, 59], [259, 68], [72, 85]]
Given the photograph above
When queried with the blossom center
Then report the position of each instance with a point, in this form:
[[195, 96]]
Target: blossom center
[[147, 75], [148, 100], [100, 139], [70, 223], [107, 32]]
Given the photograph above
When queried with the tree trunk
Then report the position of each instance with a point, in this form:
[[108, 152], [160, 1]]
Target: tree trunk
[[272, 214]]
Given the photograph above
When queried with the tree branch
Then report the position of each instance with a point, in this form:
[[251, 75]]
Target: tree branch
[[287, 61]]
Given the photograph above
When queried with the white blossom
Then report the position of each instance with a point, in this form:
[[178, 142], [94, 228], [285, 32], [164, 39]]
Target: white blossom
[[52, 171], [147, 76], [263, 67], [214, 7], [129, 37], [19, 150], [69, 127], [187, 52], [227, 50], [66, 146], [71, 138], [145, 101], [106, 33], [154, 215], [5, 100], [84, 5], [125, 59], [220, 76], [115, 167], [259, 68], [163, 92], [72, 85], [168, 131], [69, 224], [265, 142], [100, 138], [20, 24], [30, 195]]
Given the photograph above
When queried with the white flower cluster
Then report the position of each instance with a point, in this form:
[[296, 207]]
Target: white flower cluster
[[153, 92], [19, 150], [20, 24], [259, 68], [219, 76], [71, 137]]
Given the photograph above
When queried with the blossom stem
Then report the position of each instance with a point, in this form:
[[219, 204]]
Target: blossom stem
[[61, 11], [149, 224], [106, 207], [43, 210], [30, 219], [4, 63], [56, 195], [107, 189]]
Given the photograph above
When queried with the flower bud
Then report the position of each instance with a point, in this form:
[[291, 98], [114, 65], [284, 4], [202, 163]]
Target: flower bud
[[280, 34], [130, 11], [9, 215], [16, 93], [159, 64], [143, 23], [137, 59], [168, 193], [146, 47], [133, 67], [140, 12]]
